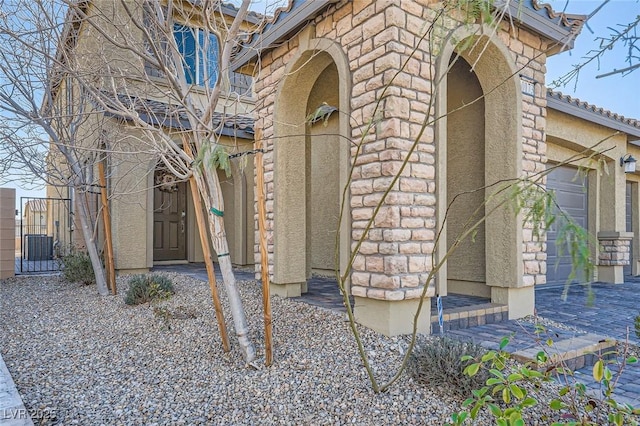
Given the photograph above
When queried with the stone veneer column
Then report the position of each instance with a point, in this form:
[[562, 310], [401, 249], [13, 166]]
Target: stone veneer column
[[391, 269], [614, 255], [614, 241], [528, 52], [7, 232]]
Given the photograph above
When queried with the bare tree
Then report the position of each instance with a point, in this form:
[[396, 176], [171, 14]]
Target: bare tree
[[623, 34], [161, 66], [158, 66], [36, 129]]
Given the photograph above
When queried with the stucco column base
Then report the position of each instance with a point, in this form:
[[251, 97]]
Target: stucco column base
[[392, 318], [288, 290], [7, 232], [611, 274], [7, 263], [520, 301]]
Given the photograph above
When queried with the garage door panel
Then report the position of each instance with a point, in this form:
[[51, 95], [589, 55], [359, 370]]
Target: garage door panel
[[572, 196]]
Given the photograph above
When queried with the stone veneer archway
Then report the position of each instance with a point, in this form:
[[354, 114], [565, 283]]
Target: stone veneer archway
[[303, 156], [498, 78]]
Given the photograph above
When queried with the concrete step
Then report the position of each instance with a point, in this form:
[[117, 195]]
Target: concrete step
[[574, 353], [463, 317]]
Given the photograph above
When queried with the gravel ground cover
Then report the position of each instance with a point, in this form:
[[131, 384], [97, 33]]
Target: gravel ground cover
[[94, 360]]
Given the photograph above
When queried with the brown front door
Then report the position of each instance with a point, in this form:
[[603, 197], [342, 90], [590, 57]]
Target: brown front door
[[169, 223]]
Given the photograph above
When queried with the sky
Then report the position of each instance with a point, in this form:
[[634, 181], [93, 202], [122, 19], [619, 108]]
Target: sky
[[620, 94]]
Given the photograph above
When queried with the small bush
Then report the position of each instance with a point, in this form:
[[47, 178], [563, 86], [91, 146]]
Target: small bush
[[637, 326], [437, 362], [76, 267], [147, 288]]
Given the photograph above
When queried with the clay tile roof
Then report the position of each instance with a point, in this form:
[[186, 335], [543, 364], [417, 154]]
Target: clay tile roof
[[231, 9], [574, 22], [631, 125], [174, 116]]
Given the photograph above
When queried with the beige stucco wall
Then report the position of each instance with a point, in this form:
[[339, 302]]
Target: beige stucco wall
[[238, 193], [324, 177], [465, 177], [7, 232], [569, 136], [111, 17], [132, 158], [131, 199]]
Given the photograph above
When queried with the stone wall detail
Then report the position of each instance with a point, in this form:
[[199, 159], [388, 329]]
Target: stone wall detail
[[615, 249]]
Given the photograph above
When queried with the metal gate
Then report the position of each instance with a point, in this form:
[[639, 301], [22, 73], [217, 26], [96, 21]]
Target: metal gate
[[46, 226]]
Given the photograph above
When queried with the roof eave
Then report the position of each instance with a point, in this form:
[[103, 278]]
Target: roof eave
[[172, 123], [560, 34], [229, 10], [279, 31], [632, 132]]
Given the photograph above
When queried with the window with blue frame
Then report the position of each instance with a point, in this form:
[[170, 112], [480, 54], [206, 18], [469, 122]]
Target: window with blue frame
[[200, 55]]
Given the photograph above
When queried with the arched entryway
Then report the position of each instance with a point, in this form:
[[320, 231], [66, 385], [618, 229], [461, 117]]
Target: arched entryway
[[466, 268], [310, 170], [479, 145]]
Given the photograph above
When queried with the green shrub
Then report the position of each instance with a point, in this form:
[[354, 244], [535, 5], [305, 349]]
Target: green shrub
[[637, 326], [513, 389], [76, 267], [147, 288], [438, 362]]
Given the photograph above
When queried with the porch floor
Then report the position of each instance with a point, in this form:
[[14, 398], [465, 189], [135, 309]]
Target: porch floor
[[323, 291]]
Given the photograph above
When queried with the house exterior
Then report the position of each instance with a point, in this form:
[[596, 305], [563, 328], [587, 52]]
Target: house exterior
[[473, 97], [34, 218], [152, 212]]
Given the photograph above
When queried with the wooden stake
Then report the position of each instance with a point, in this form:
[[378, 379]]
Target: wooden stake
[[206, 250], [106, 217], [264, 261]]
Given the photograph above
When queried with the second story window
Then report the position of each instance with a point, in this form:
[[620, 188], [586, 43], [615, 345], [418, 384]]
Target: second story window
[[199, 51]]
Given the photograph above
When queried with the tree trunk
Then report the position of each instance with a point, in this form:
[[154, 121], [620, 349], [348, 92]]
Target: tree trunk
[[209, 184], [92, 249]]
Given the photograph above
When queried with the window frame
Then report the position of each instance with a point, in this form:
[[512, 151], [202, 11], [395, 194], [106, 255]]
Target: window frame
[[198, 72]]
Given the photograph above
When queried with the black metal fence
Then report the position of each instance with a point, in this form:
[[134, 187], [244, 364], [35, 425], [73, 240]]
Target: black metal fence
[[46, 226]]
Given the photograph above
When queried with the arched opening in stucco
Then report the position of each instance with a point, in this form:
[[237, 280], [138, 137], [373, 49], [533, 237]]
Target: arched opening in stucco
[[310, 167], [479, 147], [465, 176], [323, 176]]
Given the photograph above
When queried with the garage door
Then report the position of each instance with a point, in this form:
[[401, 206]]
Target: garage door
[[572, 196], [627, 269]]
